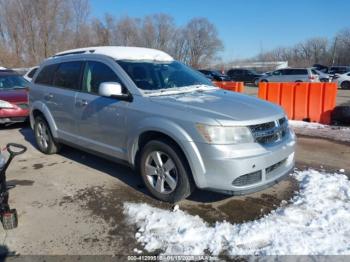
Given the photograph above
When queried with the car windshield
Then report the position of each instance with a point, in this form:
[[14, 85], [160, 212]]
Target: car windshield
[[164, 77], [12, 82]]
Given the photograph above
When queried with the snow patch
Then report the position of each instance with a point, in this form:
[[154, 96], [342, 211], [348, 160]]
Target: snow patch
[[314, 222], [302, 124], [125, 53], [323, 131]]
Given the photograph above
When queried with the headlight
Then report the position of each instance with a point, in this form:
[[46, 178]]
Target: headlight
[[5, 104], [225, 134]]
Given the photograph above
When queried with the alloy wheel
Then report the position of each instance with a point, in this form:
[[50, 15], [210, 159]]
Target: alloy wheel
[[42, 135], [161, 172]]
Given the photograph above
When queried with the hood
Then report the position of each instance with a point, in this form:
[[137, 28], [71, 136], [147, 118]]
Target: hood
[[14, 95], [224, 106]]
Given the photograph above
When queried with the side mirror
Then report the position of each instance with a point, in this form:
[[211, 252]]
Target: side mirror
[[113, 90]]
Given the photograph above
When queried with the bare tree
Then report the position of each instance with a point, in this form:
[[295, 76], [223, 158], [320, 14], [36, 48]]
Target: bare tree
[[31, 30], [203, 42], [158, 32], [127, 32]]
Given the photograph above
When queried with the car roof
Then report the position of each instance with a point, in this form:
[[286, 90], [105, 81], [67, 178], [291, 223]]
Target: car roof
[[121, 53], [8, 72]]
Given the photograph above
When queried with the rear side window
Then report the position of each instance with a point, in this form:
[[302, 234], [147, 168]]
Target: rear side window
[[96, 73], [46, 75], [68, 75], [31, 73], [297, 72]]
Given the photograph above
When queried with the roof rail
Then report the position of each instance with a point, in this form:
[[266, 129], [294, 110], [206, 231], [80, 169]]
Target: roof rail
[[74, 53]]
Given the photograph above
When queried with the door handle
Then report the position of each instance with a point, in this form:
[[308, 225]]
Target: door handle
[[48, 97], [82, 103]]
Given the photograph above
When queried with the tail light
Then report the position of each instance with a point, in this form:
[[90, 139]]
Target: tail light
[[312, 77]]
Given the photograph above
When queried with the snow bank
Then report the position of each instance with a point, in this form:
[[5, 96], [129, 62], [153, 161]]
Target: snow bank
[[315, 222], [318, 130], [302, 124]]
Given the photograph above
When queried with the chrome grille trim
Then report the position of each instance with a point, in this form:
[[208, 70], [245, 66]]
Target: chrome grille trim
[[270, 132]]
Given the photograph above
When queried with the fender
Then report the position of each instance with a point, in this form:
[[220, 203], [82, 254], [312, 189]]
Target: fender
[[40, 106], [178, 134]]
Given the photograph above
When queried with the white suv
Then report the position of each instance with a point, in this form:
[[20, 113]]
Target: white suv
[[291, 75]]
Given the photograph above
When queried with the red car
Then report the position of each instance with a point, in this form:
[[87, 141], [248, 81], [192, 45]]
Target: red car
[[13, 97]]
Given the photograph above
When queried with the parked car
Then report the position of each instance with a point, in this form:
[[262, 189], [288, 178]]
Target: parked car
[[343, 80], [321, 68], [13, 97], [324, 77], [243, 75], [30, 73], [291, 75], [215, 75], [338, 70], [164, 119]]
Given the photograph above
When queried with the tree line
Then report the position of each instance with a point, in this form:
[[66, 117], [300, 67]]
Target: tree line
[[317, 50], [32, 30]]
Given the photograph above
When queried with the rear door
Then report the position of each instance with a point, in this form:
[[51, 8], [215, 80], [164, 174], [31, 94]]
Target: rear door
[[101, 120], [61, 82]]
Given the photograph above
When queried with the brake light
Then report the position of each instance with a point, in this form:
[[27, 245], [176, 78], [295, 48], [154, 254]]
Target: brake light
[[312, 77]]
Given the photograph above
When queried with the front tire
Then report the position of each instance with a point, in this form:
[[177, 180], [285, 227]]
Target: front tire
[[44, 138], [165, 171]]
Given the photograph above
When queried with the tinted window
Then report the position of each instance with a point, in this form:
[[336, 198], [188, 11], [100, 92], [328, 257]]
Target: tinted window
[[68, 75], [31, 73], [8, 81], [297, 72], [277, 73], [45, 76], [96, 73]]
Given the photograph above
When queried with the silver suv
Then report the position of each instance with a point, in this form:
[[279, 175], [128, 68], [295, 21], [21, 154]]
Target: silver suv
[[291, 75], [162, 118]]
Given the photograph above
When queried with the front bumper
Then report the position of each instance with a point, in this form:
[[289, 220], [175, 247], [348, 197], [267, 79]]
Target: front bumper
[[242, 169], [14, 115]]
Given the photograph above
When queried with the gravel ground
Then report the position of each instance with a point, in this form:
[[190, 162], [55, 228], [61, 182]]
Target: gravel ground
[[72, 203]]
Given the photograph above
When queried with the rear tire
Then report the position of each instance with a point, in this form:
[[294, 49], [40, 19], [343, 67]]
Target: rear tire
[[44, 138], [345, 85], [165, 171], [264, 81], [298, 81]]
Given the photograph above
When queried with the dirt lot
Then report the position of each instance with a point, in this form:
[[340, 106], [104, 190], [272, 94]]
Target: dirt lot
[[72, 203]]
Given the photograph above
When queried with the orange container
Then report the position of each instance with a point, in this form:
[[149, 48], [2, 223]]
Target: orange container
[[287, 99], [302, 101], [231, 86]]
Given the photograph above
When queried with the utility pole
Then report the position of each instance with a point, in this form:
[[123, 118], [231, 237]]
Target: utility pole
[[334, 50]]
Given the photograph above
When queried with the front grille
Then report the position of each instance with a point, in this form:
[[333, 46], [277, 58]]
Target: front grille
[[270, 132], [248, 179], [270, 169]]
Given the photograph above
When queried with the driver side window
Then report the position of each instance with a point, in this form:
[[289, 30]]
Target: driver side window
[[96, 73], [277, 73]]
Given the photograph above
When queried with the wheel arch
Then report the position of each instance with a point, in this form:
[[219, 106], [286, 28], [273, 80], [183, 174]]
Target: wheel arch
[[39, 108], [165, 129]]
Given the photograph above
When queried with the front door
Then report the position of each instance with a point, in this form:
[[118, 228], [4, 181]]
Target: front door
[[101, 120]]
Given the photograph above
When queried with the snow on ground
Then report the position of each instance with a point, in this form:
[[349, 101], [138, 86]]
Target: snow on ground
[[314, 222], [319, 130]]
